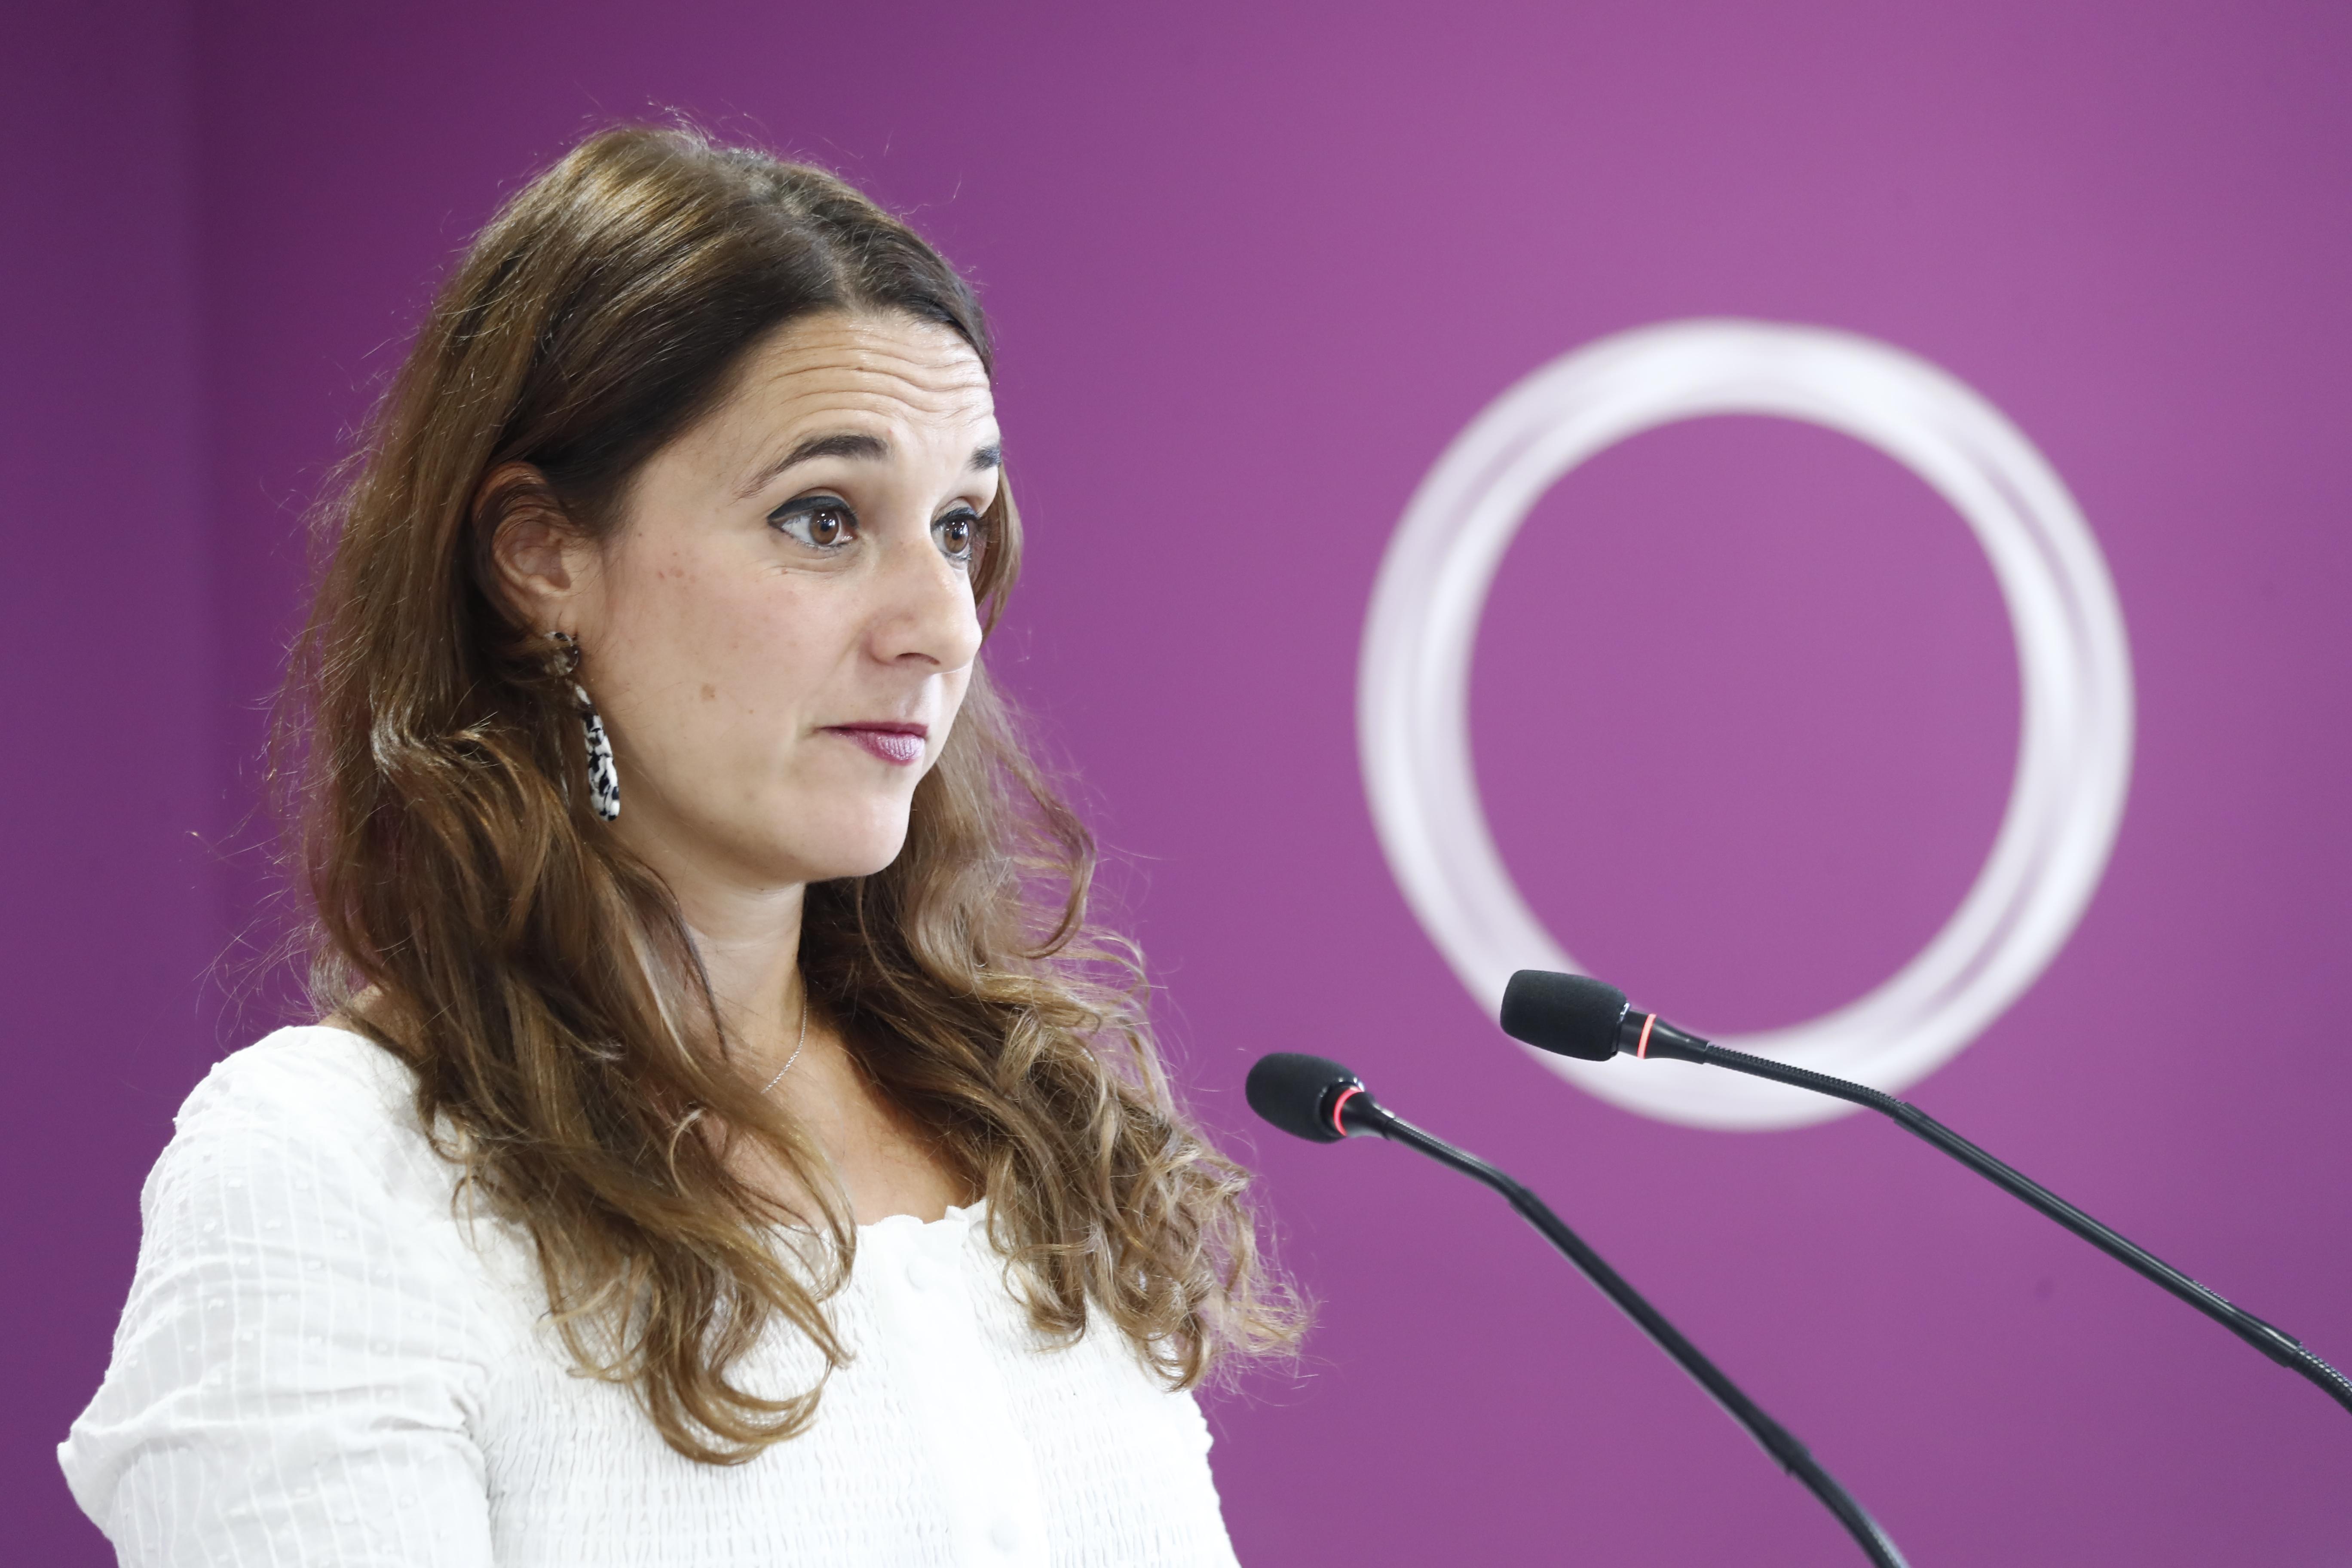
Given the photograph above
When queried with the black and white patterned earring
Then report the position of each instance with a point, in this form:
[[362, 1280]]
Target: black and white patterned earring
[[604, 781]]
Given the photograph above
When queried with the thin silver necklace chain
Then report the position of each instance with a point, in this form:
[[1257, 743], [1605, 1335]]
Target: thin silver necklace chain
[[796, 1044]]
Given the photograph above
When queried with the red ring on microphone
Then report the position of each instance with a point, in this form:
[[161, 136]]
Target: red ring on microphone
[[1341, 1104], [1641, 1051]]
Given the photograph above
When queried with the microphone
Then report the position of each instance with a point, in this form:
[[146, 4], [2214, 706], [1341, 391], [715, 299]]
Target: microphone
[[1323, 1102], [1576, 1016]]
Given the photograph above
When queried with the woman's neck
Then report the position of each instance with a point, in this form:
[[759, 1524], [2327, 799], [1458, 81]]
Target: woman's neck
[[750, 944]]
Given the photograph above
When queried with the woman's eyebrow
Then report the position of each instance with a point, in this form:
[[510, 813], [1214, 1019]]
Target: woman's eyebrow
[[839, 444], [855, 444]]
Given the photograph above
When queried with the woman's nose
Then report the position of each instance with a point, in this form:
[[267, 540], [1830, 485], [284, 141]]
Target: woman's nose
[[927, 612]]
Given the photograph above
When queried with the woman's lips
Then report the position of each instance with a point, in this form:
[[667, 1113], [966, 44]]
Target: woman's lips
[[900, 745]]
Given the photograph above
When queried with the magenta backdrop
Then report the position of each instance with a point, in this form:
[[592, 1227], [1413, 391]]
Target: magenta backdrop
[[1252, 268]]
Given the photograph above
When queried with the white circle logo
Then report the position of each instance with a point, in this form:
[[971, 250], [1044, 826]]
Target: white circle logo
[[2074, 754]]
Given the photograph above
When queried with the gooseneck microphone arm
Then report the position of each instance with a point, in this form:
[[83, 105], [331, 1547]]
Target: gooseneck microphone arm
[[1568, 1011], [2274, 1343], [1773, 1437], [1324, 1102]]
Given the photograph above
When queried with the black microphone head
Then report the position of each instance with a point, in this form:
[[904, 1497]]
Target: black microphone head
[[1568, 1015], [1294, 1093]]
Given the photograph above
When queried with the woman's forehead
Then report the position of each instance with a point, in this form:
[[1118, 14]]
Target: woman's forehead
[[892, 362], [855, 387]]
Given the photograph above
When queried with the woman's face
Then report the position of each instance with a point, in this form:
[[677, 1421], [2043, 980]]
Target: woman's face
[[779, 633]]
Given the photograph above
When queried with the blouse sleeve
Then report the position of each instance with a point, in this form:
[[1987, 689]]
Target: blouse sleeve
[[293, 1373]]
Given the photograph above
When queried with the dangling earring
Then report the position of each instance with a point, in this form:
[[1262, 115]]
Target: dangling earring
[[604, 781]]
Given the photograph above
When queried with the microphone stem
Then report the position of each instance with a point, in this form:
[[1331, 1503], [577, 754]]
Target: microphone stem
[[2277, 1344], [1769, 1433]]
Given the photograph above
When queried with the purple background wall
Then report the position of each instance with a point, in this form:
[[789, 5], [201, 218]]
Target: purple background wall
[[1252, 269], [110, 911]]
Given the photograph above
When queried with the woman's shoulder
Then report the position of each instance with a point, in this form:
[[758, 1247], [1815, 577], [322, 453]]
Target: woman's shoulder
[[316, 1093], [313, 1070], [304, 1319], [304, 1148]]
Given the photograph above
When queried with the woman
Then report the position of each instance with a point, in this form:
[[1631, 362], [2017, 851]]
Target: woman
[[722, 1144]]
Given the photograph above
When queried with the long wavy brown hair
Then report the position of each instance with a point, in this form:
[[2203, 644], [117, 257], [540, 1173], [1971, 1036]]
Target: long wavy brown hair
[[474, 917]]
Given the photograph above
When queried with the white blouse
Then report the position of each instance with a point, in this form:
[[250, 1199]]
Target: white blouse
[[322, 1363]]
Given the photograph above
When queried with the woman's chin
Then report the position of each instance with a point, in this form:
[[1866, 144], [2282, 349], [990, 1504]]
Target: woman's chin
[[855, 851]]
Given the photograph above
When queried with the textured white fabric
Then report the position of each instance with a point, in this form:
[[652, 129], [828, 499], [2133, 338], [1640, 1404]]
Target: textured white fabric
[[322, 1364]]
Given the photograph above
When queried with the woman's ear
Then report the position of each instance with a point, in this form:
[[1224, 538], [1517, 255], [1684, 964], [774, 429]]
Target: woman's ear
[[537, 557]]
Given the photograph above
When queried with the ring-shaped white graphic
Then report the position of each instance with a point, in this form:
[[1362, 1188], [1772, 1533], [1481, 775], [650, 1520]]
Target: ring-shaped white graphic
[[2074, 754]]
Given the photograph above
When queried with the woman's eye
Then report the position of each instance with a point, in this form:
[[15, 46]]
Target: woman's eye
[[957, 533], [820, 523]]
